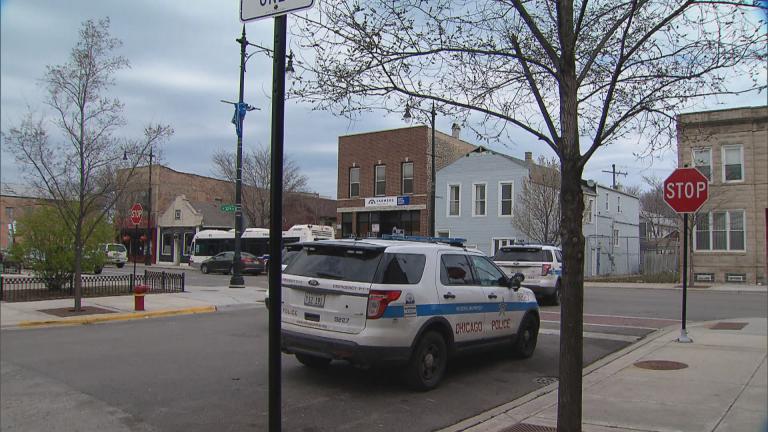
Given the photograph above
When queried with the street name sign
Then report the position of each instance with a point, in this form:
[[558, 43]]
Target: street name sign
[[251, 10], [229, 208], [136, 211], [686, 190]]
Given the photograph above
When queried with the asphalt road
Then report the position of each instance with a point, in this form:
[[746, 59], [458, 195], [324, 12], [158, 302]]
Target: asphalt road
[[209, 372]]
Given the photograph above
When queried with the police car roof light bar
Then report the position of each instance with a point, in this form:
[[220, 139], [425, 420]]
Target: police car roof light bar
[[453, 241]]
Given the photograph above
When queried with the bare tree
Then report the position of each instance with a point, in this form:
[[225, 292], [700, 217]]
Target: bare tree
[[566, 72], [537, 207], [256, 181], [78, 171], [656, 213]]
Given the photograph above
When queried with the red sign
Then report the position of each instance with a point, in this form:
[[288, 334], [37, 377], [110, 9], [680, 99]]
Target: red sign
[[136, 211], [686, 190]]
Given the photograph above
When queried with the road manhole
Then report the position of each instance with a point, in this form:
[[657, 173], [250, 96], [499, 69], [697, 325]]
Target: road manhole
[[527, 427], [729, 326], [660, 365], [545, 380]]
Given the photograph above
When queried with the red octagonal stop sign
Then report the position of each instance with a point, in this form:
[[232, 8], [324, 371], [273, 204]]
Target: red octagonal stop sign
[[686, 190], [136, 211]]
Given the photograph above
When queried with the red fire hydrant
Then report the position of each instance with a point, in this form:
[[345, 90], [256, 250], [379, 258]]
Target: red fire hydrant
[[138, 297]]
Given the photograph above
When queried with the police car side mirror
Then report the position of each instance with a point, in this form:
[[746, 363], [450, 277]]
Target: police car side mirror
[[516, 280]]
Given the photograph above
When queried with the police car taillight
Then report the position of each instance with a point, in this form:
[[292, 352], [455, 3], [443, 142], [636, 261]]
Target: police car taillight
[[545, 269], [378, 301]]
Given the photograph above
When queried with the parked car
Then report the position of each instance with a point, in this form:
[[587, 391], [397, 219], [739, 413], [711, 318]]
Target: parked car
[[116, 254], [222, 263], [412, 304], [540, 264]]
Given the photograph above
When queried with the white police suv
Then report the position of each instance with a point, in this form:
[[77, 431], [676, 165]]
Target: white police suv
[[542, 266], [413, 303]]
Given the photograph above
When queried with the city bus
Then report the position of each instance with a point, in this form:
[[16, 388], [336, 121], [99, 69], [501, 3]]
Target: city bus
[[305, 233]]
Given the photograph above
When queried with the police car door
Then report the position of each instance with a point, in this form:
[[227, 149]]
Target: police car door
[[502, 314], [461, 300]]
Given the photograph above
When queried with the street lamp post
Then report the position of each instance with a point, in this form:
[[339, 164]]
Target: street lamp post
[[148, 242], [407, 116]]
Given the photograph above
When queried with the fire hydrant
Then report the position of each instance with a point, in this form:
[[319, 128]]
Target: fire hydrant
[[138, 297]]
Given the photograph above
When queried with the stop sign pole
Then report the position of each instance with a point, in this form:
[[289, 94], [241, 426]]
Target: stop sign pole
[[685, 191], [136, 211]]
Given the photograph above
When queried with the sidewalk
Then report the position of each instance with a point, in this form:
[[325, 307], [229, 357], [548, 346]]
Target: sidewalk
[[194, 300], [721, 388], [676, 286]]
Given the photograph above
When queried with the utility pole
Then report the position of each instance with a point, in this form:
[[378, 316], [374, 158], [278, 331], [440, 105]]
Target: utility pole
[[615, 173]]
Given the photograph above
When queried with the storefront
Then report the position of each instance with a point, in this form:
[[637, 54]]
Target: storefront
[[383, 215]]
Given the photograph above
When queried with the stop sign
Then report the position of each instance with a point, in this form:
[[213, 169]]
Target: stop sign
[[136, 211], [686, 190]]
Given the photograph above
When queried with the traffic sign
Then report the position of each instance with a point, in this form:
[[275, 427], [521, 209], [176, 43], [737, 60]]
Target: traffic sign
[[136, 211], [228, 208], [251, 10], [686, 190]]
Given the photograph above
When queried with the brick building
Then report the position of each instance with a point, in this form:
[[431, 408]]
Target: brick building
[[15, 201], [384, 179], [206, 195], [730, 235]]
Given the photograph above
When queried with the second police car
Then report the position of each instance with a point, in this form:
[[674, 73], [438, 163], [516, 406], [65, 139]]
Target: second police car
[[411, 303]]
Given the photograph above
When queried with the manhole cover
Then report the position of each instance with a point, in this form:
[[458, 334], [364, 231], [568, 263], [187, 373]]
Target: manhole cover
[[527, 427], [545, 381], [660, 365], [729, 326]]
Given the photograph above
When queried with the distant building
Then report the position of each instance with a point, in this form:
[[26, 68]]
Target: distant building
[[476, 200], [15, 201], [384, 179], [730, 147]]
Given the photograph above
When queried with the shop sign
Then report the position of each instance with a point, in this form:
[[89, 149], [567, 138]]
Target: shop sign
[[389, 201]]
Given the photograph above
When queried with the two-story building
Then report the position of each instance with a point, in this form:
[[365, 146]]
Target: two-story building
[[477, 196], [730, 147], [384, 179]]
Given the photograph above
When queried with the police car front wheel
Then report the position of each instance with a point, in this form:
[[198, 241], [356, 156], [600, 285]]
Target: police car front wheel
[[428, 362], [525, 342]]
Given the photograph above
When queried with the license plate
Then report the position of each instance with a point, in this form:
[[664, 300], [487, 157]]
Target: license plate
[[314, 300]]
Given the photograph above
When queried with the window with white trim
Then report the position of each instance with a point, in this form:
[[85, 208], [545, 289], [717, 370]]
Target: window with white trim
[[407, 174], [607, 202], [354, 182], [499, 243], [588, 210], [167, 243], [720, 231], [454, 200], [380, 186], [506, 198], [478, 199], [618, 204], [733, 163], [702, 159], [616, 238]]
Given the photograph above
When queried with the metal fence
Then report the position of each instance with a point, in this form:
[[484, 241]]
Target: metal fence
[[26, 288]]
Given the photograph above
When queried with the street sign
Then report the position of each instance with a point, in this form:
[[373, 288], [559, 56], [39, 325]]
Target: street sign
[[229, 208], [136, 211], [686, 190], [251, 10]]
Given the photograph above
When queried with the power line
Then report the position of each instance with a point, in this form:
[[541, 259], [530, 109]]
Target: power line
[[615, 173]]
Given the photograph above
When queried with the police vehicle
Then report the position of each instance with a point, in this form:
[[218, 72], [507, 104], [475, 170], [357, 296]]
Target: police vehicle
[[542, 266], [401, 302]]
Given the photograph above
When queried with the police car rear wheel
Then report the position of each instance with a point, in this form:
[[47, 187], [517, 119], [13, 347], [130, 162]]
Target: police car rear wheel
[[428, 362], [525, 342], [313, 361], [554, 299]]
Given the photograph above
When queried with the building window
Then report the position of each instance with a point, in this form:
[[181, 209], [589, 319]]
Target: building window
[[188, 236], [346, 225], [167, 243], [607, 202], [733, 163], [588, 210], [407, 177], [499, 243], [702, 159], [616, 238], [478, 199], [454, 200], [177, 214], [720, 231], [354, 182], [506, 198], [618, 204], [380, 186], [443, 234]]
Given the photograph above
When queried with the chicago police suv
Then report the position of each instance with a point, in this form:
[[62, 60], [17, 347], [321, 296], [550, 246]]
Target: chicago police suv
[[412, 303]]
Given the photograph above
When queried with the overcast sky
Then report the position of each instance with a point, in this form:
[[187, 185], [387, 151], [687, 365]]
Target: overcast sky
[[184, 59]]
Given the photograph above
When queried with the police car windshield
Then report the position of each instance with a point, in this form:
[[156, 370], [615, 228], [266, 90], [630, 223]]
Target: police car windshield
[[520, 254], [337, 262]]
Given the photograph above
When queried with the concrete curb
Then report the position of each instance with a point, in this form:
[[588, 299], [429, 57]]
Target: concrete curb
[[117, 317], [501, 410]]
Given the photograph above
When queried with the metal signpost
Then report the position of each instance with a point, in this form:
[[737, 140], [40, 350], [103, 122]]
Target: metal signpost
[[136, 211], [685, 190], [252, 10]]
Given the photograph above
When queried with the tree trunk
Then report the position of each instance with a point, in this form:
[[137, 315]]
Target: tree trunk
[[78, 267]]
